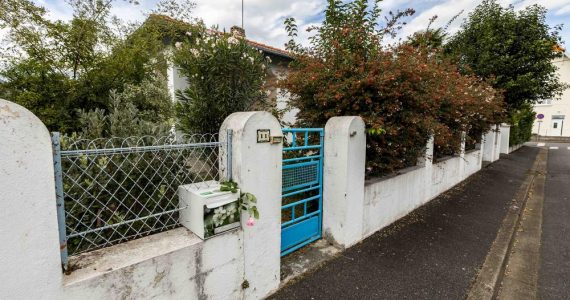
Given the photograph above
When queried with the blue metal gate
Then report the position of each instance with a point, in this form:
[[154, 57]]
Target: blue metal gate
[[302, 191]]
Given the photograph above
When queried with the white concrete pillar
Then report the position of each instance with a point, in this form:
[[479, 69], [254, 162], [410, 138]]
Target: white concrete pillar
[[343, 191], [488, 144], [505, 135], [256, 167], [481, 150], [29, 250], [427, 163], [497, 149], [462, 155], [426, 160]]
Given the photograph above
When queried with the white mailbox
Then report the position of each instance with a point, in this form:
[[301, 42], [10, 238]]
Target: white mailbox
[[208, 211]]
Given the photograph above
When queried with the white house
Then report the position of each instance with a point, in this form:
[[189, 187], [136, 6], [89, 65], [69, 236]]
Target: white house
[[553, 115]]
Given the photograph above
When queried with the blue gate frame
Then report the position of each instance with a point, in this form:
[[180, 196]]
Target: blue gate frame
[[302, 189]]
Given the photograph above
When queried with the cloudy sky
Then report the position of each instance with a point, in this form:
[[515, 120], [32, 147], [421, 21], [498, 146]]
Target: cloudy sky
[[263, 19]]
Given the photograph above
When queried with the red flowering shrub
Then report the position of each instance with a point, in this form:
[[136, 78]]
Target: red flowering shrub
[[403, 93]]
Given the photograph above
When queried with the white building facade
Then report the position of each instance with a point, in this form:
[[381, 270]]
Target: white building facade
[[553, 115]]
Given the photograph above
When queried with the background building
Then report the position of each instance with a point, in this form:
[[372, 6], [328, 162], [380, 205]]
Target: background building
[[555, 113]]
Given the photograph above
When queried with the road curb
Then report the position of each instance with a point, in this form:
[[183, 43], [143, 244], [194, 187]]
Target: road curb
[[487, 283], [523, 262]]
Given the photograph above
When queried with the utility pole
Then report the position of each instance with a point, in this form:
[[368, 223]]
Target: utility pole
[[242, 14]]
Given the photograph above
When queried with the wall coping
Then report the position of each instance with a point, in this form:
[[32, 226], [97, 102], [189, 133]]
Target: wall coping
[[392, 175], [100, 262], [471, 151], [445, 158]]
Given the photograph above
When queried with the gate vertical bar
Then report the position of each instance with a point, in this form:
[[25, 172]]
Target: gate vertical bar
[[229, 138], [59, 197], [321, 165]]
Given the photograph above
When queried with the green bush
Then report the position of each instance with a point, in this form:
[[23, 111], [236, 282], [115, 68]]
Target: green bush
[[521, 125], [138, 110], [403, 92], [224, 75]]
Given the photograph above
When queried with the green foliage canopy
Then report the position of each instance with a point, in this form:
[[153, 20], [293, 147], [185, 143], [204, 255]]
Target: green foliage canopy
[[59, 68], [404, 92], [514, 48], [521, 122], [224, 75]]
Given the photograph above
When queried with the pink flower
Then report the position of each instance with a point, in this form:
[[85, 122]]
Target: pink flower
[[250, 221]]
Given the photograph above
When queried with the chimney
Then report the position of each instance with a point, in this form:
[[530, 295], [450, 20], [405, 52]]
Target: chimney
[[237, 31]]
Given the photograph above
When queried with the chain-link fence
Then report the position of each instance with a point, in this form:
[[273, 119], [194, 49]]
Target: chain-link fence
[[114, 190]]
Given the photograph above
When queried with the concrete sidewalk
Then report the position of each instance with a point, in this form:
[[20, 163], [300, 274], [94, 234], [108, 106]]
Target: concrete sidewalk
[[433, 253]]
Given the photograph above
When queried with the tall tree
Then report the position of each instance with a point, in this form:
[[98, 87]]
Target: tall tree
[[515, 48], [58, 69]]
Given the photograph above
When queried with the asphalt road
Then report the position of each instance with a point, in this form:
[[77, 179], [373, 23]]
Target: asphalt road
[[554, 273], [433, 253]]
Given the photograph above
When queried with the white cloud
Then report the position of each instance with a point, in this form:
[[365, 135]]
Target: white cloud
[[56, 10], [393, 5], [263, 20], [129, 12], [550, 4], [445, 11], [564, 10]]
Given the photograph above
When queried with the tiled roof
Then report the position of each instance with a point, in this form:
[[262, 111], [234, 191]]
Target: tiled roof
[[257, 45], [269, 49]]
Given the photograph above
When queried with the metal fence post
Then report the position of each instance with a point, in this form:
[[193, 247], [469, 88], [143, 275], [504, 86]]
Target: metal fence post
[[55, 139], [229, 138]]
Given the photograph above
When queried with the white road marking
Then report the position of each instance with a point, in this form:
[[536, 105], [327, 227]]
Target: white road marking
[[542, 145], [554, 148]]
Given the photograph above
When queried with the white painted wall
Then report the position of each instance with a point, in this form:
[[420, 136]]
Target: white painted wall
[[176, 82], [349, 219], [445, 175], [390, 198], [473, 162], [289, 114], [174, 264], [343, 189], [556, 106], [515, 148]]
